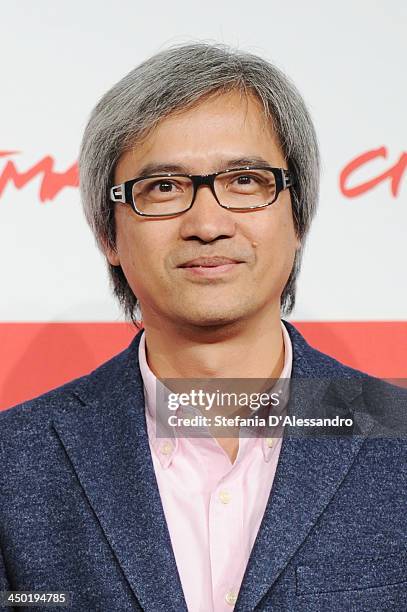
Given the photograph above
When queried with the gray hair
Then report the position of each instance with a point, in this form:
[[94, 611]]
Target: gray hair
[[175, 79]]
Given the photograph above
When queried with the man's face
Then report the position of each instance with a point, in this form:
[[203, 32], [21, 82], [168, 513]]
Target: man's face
[[205, 139]]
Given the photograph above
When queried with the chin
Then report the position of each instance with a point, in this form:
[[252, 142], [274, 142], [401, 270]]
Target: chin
[[215, 316]]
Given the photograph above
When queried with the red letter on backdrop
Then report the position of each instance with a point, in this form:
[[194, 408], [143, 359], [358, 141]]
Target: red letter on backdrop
[[52, 182], [395, 173]]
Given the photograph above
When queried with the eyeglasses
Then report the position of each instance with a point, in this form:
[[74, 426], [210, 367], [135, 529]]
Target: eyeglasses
[[171, 194]]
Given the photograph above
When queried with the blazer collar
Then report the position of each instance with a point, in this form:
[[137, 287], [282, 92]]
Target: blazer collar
[[105, 438]]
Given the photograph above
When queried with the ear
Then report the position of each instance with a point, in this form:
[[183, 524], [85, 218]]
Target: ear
[[112, 255]]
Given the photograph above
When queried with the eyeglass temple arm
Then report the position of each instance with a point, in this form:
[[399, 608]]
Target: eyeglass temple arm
[[117, 193], [287, 178]]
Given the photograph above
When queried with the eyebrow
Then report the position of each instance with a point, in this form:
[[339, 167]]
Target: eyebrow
[[224, 164]]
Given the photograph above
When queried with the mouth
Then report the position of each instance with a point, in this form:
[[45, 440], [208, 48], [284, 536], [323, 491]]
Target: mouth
[[210, 266], [209, 262]]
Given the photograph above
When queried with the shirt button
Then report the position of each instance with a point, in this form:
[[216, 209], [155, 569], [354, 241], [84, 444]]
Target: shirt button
[[270, 442], [166, 448], [224, 497], [231, 598]]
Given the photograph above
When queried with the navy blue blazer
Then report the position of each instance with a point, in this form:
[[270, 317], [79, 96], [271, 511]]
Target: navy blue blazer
[[80, 510]]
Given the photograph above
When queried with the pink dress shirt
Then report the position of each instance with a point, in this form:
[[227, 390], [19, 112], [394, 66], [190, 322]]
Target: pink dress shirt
[[213, 507]]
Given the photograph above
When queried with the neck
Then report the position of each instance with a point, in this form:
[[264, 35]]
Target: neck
[[248, 349]]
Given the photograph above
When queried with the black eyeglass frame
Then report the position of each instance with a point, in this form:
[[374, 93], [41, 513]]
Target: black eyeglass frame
[[123, 193]]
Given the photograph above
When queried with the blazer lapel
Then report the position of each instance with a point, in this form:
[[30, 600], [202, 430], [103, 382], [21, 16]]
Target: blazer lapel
[[114, 466], [309, 471]]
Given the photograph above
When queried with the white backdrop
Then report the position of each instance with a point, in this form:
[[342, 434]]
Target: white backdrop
[[348, 59]]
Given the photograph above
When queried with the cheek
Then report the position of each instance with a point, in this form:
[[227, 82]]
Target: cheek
[[275, 237], [141, 249]]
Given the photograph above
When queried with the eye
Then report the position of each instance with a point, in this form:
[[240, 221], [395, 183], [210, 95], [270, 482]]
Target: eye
[[244, 179], [247, 182], [162, 186]]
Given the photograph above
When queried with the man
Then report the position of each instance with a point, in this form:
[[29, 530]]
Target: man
[[199, 177]]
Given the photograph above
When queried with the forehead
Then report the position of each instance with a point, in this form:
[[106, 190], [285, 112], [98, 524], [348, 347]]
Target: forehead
[[204, 137], [233, 106]]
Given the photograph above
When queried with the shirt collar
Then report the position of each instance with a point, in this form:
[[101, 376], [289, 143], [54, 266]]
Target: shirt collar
[[166, 447], [269, 443]]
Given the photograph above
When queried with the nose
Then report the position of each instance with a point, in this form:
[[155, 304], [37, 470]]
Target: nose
[[206, 221]]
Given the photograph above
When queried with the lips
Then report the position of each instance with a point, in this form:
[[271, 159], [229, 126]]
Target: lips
[[209, 262]]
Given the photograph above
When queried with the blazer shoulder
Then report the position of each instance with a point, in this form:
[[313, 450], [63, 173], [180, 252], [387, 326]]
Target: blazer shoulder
[[309, 361], [33, 414]]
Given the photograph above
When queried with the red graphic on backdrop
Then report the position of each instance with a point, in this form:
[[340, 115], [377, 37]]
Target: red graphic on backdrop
[[52, 182], [394, 174]]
